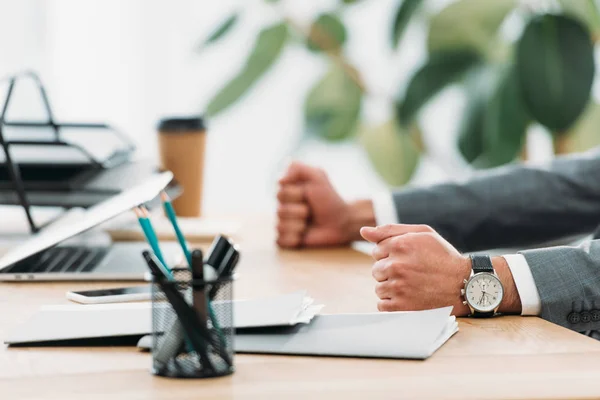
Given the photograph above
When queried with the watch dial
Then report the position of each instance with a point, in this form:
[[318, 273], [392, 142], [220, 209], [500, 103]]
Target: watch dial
[[484, 292]]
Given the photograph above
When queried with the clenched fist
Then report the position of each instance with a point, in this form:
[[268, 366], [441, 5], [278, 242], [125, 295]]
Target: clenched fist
[[311, 213], [417, 269]]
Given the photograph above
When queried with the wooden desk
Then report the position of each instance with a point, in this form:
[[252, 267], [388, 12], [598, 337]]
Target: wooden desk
[[509, 357]]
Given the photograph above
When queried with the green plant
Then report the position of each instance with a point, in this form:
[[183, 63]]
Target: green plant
[[543, 77]]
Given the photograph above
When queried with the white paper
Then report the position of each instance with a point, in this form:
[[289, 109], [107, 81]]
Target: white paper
[[76, 321], [414, 334]]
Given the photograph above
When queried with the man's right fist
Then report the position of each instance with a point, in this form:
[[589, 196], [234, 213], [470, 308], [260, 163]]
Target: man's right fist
[[311, 213]]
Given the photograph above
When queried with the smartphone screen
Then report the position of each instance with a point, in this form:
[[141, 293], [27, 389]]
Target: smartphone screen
[[115, 292]]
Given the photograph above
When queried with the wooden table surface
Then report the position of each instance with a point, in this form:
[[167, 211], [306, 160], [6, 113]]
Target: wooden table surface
[[507, 357]]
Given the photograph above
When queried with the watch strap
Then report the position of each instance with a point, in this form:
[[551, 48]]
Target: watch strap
[[479, 314], [481, 264]]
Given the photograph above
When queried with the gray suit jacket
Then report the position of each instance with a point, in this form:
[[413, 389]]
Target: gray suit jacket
[[521, 205]]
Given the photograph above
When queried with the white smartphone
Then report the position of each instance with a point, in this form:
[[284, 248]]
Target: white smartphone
[[116, 295]]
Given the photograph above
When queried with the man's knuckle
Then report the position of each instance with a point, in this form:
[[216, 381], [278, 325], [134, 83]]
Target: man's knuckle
[[398, 285], [426, 228], [387, 227], [303, 210], [375, 252], [398, 242]]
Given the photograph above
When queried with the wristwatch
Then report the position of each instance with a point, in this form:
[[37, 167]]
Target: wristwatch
[[483, 291]]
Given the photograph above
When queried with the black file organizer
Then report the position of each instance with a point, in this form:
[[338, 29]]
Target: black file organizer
[[182, 361], [13, 169]]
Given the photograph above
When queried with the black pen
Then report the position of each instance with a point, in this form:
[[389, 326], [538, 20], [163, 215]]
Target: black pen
[[218, 250], [225, 269], [204, 308], [185, 314], [199, 295]]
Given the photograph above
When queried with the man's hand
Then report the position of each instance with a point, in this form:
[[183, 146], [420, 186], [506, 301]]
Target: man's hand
[[311, 212], [416, 269]]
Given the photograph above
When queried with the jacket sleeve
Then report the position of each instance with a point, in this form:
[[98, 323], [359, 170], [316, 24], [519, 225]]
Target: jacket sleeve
[[568, 282], [512, 206]]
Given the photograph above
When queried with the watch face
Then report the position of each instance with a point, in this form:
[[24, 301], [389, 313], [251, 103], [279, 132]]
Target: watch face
[[484, 292]]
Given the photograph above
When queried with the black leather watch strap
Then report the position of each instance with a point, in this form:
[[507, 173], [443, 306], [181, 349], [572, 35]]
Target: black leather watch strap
[[481, 264], [479, 314]]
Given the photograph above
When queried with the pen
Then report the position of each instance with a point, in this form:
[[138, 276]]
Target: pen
[[185, 314], [218, 249], [171, 215], [225, 269], [202, 305], [199, 296]]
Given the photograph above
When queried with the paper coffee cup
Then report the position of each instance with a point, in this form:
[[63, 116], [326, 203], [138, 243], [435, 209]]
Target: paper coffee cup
[[182, 145]]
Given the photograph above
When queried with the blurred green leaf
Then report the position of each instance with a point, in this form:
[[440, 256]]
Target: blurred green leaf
[[555, 64], [332, 107], [468, 24], [350, 1], [584, 10], [391, 151], [267, 48], [584, 134], [505, 122], [272, 1], [326, 33], [478, 87], [405, 11], [221, 30], [442, 69]]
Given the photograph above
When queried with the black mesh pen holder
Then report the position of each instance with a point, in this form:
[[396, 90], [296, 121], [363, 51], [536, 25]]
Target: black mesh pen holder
[[200, 346]]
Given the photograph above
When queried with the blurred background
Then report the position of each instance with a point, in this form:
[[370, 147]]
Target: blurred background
[[380, 93]]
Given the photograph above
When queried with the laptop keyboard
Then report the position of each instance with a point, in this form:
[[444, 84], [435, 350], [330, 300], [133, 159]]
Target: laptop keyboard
[[60, 259]]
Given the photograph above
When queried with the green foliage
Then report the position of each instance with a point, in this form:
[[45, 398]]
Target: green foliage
[[584, 10], [442, 69], [468, 24], [332, 107], [555, 63], [546, 77], [221, 30], [505, 121], [326, 33], [479, 86], [494, 122], [267, 48], [391, 151], [405, 11]]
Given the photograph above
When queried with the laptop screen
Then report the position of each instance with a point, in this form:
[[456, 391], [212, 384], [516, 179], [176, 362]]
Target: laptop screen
[[87, 219]]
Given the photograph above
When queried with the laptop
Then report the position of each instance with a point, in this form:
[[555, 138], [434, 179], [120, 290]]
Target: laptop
[[65, 251]]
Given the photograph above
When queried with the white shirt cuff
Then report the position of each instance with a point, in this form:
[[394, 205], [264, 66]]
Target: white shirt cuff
[[384, 209], [530, 298]]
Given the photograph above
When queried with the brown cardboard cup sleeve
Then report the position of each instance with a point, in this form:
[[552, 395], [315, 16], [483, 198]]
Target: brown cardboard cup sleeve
[[182, 146]]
